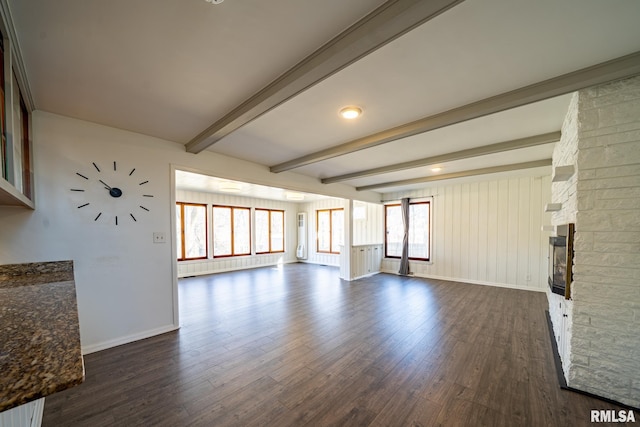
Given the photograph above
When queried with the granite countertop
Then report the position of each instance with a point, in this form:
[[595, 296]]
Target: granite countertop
[[40, 350]]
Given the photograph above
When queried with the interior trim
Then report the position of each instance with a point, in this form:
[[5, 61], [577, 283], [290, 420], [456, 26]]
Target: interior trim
[[623, 67], [462, 174], [386, 23], [16, 54], [499, 147]]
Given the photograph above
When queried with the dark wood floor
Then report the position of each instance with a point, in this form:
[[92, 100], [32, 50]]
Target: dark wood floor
[[297, 346]]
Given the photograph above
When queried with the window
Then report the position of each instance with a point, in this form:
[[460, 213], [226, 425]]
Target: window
[[231, 231], [191, 223], [269, 231], [419, 234], [329, 230]]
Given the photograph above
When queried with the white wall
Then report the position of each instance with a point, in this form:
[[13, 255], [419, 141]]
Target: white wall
[[123, 280], [125, 283], [199, 267], [486, 232]]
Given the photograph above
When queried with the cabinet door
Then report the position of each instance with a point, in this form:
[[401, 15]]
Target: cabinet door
[[377, 258], [564, 335]]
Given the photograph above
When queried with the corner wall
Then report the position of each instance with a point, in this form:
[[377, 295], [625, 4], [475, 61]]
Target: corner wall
[[125, 283]]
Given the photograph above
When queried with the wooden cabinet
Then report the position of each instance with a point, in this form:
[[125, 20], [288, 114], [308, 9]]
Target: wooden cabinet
[[16, 174]]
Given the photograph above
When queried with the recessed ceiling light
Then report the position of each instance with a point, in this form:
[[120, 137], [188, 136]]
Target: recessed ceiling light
[[350, 112], [436, 169]]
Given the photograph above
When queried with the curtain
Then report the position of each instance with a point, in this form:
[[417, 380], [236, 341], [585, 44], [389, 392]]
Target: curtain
[[404, 260]]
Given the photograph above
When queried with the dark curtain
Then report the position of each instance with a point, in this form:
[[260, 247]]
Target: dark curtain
[[404, 260]]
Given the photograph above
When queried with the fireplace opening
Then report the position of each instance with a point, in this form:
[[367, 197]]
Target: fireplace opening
[[561, 260]]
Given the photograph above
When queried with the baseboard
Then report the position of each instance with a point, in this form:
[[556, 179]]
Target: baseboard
[[225, 270], [471, 281], [88, 349], [306, 261], [363, 276]]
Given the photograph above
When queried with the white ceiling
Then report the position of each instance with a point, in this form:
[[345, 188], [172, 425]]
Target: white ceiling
[[171, 68], [190, 181]]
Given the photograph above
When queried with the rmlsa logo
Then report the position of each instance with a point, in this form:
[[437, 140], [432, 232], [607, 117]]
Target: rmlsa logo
[[612, 416]]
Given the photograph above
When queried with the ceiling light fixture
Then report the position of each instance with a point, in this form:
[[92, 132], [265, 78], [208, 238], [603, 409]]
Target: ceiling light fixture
[[294, 196], [436, 169], [350, 112], [230, 187], [214, 1]]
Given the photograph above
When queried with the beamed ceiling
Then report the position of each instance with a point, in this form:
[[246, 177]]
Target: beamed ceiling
[[473, 87]]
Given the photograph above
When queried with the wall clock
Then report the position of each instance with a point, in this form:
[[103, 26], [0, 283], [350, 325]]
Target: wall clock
[[114, 195]]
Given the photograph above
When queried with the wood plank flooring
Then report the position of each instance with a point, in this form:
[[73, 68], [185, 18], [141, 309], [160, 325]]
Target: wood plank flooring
[[296, 346]]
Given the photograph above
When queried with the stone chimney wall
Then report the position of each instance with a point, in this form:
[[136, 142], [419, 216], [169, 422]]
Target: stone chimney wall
[[604, 320]]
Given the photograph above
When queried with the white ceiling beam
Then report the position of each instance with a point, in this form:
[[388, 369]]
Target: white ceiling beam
[[462, 174], [383, 25], [626, 66], [499, 147]]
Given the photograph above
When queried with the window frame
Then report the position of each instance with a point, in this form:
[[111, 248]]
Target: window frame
[[331, 211], [182, 233], [16, 151], [27, 187], [232, 231], [269, 211], [429, 240], [4, 167]]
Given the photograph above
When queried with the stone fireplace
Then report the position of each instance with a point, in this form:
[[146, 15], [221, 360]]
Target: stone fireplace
[[597, 328]]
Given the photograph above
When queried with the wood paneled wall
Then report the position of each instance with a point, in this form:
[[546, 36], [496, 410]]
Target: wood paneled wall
[[486, 232], [370, 229]]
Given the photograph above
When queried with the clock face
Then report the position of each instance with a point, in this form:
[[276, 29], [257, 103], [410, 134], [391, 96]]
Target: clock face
[[112, 193]]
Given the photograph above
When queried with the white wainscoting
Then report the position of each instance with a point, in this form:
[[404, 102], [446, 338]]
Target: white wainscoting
[[365, 260], [27, 415]]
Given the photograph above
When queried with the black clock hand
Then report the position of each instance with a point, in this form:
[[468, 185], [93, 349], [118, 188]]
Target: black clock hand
[[113, 191]]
